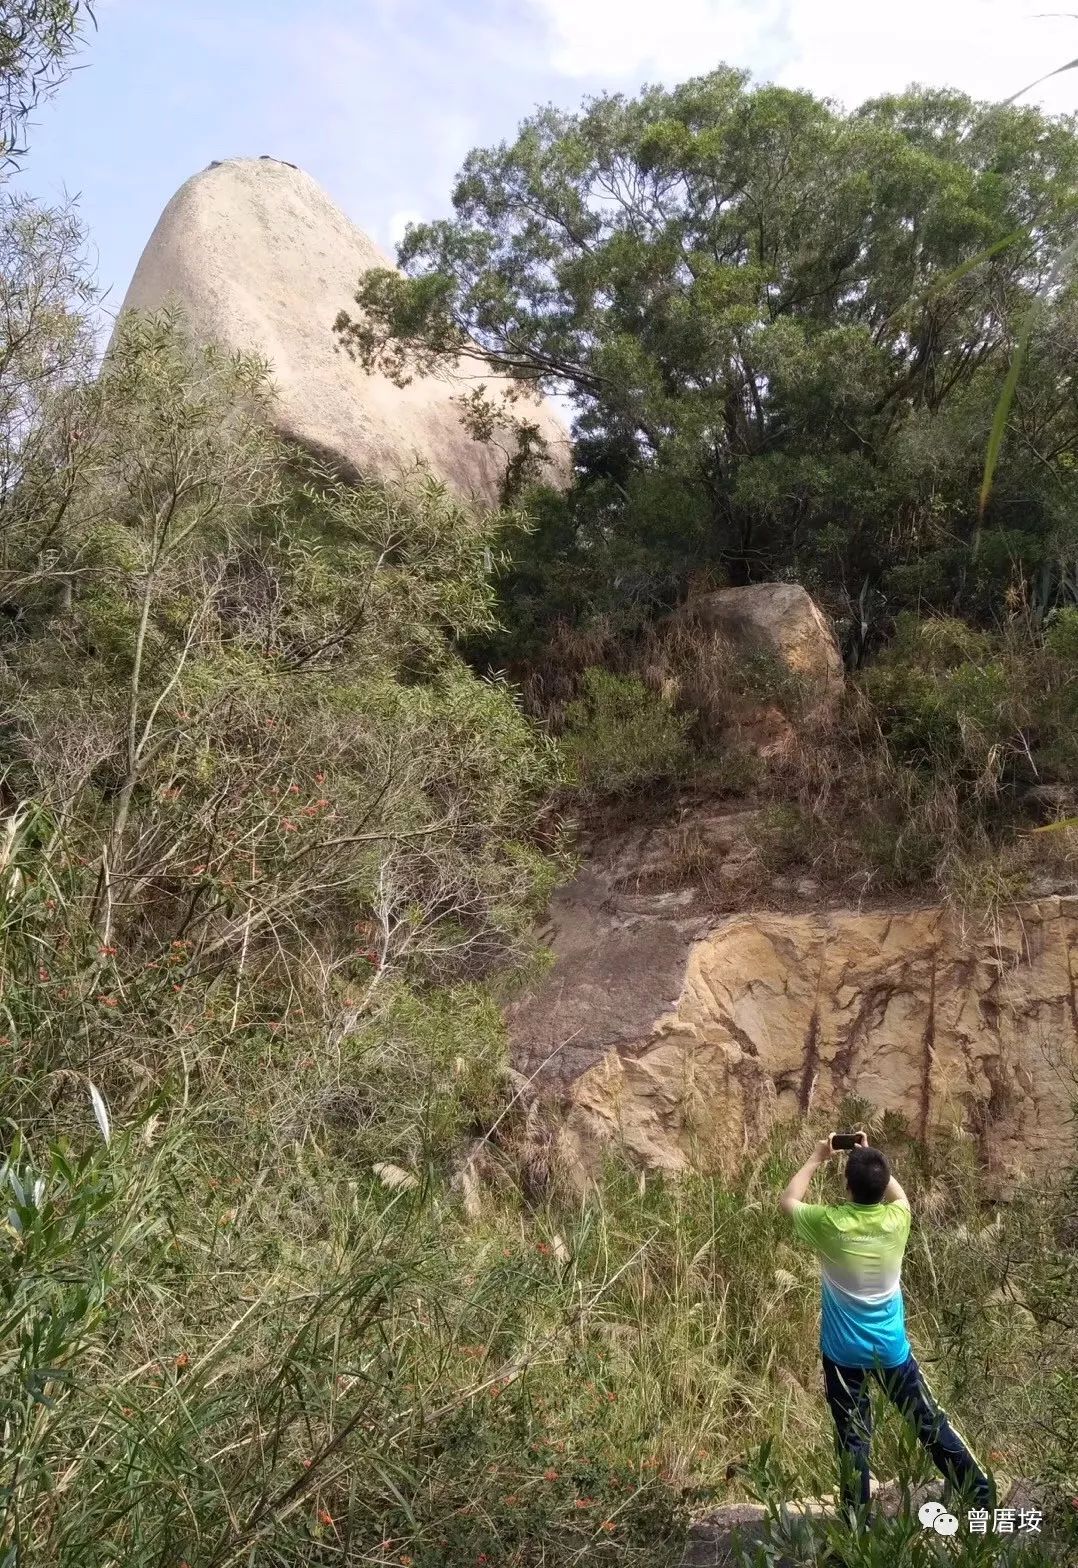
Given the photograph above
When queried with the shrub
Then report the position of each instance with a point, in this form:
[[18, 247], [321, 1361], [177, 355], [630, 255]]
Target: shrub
[[620, 735]]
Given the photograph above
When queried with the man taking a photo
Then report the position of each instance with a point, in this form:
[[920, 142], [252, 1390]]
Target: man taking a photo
[[860, 1245]]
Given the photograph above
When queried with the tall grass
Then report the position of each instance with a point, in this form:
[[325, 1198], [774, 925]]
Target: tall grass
[[245, 1349]]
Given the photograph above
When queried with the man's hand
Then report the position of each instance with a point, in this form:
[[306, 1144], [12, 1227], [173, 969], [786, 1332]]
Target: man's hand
[[824, 1151]]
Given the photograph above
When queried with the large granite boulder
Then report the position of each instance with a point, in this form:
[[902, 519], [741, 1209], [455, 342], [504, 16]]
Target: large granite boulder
[[259, 258], [777, 618]]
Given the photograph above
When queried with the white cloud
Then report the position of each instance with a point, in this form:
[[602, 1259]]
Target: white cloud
[[988, 48], [619, 39], [848, 49]]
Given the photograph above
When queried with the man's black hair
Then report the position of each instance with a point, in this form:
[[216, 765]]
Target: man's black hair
[[867, 1175]]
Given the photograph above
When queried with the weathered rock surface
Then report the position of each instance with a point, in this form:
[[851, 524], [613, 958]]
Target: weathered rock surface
[[778, 618], [261, 259], [682, 1038]]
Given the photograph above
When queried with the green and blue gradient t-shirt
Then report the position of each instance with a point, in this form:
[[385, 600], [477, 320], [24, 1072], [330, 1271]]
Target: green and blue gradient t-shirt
[[860, 1247]]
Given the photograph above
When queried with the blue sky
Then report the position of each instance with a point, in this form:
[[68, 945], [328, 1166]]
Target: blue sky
[[381, 99]]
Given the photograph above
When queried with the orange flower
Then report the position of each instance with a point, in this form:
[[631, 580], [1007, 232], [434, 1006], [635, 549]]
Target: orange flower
[[324, 1516], [511, 1500], [286, 826], [320, 778], [405, 1561], [550, 1475], [583, 1502], [182, 1360], [608, 1525], [107, 950]]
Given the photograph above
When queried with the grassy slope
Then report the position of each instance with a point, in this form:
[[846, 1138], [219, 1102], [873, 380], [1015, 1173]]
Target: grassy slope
[[285, 1360]]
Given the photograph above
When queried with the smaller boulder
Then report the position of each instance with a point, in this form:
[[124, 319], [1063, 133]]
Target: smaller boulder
[[777, 618]]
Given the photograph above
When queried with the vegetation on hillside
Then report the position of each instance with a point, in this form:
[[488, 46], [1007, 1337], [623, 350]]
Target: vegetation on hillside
[[288, 1276], [785, 332]]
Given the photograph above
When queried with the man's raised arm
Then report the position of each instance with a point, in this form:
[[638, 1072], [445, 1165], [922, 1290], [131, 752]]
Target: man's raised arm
[[798, 1184]]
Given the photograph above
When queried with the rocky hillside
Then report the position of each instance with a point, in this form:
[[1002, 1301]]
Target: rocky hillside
[[681, 1036], [346, 719], [669, 1032]]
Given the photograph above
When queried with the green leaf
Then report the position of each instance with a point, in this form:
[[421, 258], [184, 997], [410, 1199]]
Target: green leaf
[[999, 419]]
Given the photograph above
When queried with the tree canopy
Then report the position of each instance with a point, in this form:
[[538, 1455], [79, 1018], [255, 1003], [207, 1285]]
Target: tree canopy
[[783, 330]]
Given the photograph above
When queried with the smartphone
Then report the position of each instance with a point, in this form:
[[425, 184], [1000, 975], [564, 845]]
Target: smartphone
[[845, 1140]]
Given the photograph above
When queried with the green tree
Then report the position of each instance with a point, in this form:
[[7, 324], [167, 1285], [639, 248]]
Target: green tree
[[764, 311], [242, 742], [37, 39]]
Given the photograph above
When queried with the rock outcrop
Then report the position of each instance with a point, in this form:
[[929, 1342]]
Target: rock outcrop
[[713, 636], [259, 258], [682, 1038], [777, 618]]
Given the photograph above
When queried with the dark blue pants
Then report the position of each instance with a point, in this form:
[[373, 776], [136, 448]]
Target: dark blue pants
[[848, 1395]]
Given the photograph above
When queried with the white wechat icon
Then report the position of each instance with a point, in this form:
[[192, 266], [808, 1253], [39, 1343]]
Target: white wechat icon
[[934, 1516]]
